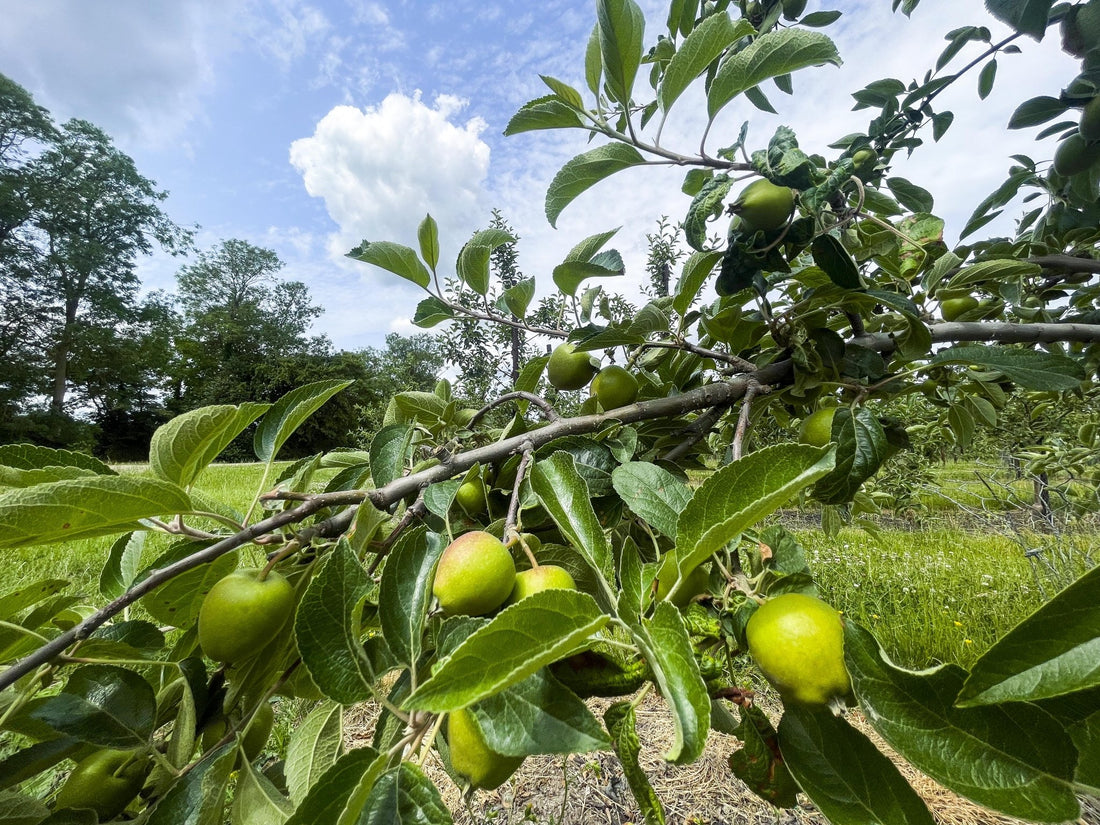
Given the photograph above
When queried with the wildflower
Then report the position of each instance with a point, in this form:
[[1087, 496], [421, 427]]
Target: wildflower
[[958, 624]]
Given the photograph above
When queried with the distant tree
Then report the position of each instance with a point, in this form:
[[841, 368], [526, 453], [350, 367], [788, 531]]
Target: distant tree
[[664, 253], [237, 315]]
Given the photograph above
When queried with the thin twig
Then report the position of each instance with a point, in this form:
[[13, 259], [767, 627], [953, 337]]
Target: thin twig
[[547, 409], [696, 431]]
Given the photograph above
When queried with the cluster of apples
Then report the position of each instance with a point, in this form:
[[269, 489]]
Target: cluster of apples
[[477, 576], [613, 386]]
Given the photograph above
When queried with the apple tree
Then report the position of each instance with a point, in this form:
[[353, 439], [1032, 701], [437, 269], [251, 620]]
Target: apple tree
[[818, 279]]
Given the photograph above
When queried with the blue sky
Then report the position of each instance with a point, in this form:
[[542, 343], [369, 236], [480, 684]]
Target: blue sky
[[308, 125]]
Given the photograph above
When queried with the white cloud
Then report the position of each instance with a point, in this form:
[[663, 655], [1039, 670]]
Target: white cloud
[[380, 169], [140, 70]]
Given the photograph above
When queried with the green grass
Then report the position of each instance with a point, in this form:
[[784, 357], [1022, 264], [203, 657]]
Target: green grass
[[932, 596], [929, 596]]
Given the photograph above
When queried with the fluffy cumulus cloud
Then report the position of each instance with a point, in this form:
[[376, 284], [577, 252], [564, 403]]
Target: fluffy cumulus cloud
[[380, 169]]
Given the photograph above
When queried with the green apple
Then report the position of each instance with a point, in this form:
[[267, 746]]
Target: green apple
[[695, 583], [474, 576], [1075, 155], [537, 579], [953, 308], [242, 613], [106, 782], [817, 427], [763, 205], [1090, 121], [471, 498], [798, 643], [614, 387], [568, 369], [471, 756]]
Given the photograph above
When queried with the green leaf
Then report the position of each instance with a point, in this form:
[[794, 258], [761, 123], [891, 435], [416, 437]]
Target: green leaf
[[404, 795], [830, 254], [32, 760], [1086, 737], [519, 640], [861, 448], [388, 452], [428, 236], [395, 258], [986, 79], [426, 408], [593, 62], [327, 627], [185, 446], [473, 267], [565, 497], [741, 493], [622, 29], [517, 298], [621, 721], [542, 113], [653, 493], [16, 601], [1025, 16], [667, 647], [82, 508], [341, 791], [843, 773], [700, 48], [708, 203], [256, 801], [911, 196], [1016, 759], [1031, 369], [177, 601], [585, 171], [314, 747], [22, 465], [198, 798], [997, 271], [123, 564], [1056, 650], [757, 762], [406, 591], [772, 53], [1036, 111], [17, 809], [538, 715], [571, 274], [102, 704], [697, 269], [432, 311], [563, 92], [288, 414]]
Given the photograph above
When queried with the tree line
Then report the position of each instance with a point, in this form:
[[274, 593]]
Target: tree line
[[89, 361]]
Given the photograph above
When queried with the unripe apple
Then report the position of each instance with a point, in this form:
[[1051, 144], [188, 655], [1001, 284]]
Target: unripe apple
[[615, 387], [105, 782], [817, 427], [471, 756], [695, 583], [471, 498], [474, 576], [953, 308], [241, 614], [569, 370], [537, 579], [763, 205], [798, 643]]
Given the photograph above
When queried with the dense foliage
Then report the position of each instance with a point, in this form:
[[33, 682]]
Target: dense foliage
[[825, 291]]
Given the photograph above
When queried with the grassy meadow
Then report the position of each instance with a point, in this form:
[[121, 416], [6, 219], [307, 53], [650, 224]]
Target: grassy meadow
[[938, 592]]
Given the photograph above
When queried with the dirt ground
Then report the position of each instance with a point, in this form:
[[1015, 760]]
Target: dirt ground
[[589, 789]]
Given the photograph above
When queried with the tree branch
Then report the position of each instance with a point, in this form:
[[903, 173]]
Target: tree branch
[[1070, 262], [995, 331], [547, 409]]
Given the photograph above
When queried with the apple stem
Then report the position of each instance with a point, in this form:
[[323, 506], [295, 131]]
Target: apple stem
[[527, 551], [292, 546], [513, 505]]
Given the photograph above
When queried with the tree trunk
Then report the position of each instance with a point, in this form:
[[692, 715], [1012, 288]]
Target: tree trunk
[[61, 357]]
